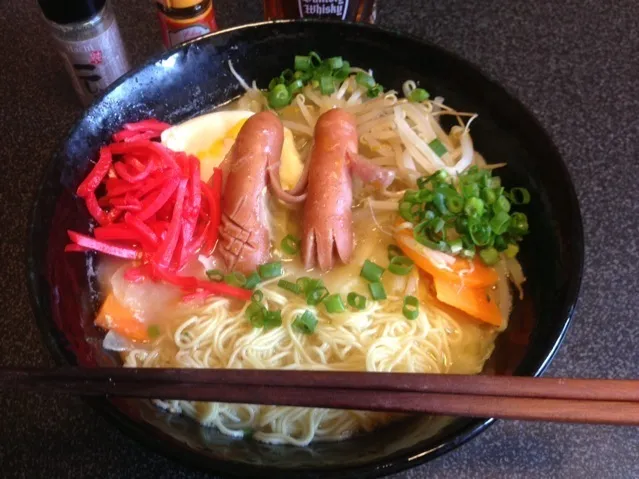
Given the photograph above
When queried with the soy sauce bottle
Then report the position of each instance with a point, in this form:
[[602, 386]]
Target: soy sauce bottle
[[350, 10]]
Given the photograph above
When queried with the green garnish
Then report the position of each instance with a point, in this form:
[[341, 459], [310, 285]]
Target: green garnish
[[356, 301], [289, 286], [325, 75], [272, 319], [215, 274], [316, 296], [377, 291], [438, 147], [290, 244], [371, 271], [235, 279], [253, 280], [279, 96], [271, 270], [400, 265], [418, 95], [519, 196], [257, 296], [411, 307], [255, 313], [334, 303], [466, 215], [305, 323]]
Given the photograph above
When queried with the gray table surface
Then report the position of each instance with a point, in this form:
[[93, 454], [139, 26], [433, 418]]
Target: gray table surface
[[573, 63]]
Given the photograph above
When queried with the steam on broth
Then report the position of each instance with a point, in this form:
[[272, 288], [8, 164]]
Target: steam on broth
[[390, 254]]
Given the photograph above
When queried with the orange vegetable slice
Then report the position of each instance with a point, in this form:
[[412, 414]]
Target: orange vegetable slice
[[474, 301], [117, 317], [469, 273]]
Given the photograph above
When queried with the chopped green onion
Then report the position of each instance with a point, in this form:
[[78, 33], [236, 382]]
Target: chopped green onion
[[438, 147], [518, 224], [489, 256], [289, 286], [512, 250], [474, 207], [455, 203], [215, 274], [295, 86], [489, 196], [287, 75], [303, 63], [253, 280], [400, 265], [439, 176], [500, 243], [371, 271], [365, 80], [271, 270], [520, 196], [502, 204], [499, 222], [418, 95], [375, 91], [461, 225], [153, 331], [316, 296], [456, 245], [255, 313], [411, 307], [334, 303], [273, 83], [327, 85], [335, 63], [307, 284], [439, 200], [290, 244], [438, 225], [406, 210], [422, 182], [468, 253], [279, 96], [356, 301], [235, 279], [305, 322], [316, 60], [470, 190], [257, 296], [377, 290], [272, 319], [394, 250], [480, 233]]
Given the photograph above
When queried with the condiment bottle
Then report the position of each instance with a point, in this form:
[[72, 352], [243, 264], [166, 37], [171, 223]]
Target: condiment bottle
[[87, 37], [350, 10], [183, 20]]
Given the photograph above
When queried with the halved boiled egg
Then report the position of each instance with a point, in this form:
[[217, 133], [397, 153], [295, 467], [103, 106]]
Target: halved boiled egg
[[210, 137]]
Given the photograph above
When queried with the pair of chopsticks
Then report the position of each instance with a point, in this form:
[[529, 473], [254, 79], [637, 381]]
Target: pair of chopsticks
[[593, 401]]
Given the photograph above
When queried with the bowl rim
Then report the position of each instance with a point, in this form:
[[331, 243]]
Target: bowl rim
[[389, 464]]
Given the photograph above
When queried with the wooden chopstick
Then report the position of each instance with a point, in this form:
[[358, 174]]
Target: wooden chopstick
[[602, 401]]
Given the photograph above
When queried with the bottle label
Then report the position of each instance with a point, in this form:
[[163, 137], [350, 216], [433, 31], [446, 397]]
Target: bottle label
[[176, 31], [323, 8], [95, 63]]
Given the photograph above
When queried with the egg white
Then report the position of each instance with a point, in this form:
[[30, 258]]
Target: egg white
[[211, 136]]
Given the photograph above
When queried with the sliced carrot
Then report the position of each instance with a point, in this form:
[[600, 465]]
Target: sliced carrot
[[117, 317], [474, 301], [469, 273]]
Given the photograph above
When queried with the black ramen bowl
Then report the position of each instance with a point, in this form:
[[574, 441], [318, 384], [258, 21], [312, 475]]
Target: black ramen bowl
[[195, 78]]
